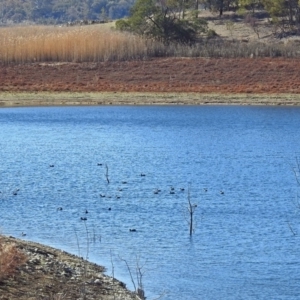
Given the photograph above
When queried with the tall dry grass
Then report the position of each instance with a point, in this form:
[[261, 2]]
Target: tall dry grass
[[96, 43], [69, 44], [10, 259]]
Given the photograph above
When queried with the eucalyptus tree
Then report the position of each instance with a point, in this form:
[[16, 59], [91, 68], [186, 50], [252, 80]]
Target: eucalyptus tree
[[165, 20], [285, 14], [251, 4], [220, 5]]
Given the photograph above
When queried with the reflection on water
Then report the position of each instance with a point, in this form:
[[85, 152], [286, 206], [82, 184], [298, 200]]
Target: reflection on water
[[243, 246]]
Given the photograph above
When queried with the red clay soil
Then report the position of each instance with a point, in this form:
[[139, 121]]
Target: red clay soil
[[203, 75]]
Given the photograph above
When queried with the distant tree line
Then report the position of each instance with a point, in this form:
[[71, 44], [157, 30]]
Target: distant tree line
[[62, 11], [282, 13], [287, 11]]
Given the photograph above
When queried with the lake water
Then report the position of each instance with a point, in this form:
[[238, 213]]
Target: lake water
[[246, 241]]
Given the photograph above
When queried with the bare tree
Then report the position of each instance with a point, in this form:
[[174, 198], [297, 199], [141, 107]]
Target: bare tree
[[139, 288], [191, 210], [296, 170], [252, 22], [106, 174]]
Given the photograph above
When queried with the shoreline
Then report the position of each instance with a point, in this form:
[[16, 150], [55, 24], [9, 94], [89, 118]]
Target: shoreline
[[40, 99], [53, 273]]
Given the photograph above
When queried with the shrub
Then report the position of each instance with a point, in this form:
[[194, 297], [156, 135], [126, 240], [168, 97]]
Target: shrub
[[10, 259]]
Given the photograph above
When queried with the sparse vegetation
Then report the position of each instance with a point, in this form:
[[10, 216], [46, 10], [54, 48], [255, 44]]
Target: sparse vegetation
[[138, 284]]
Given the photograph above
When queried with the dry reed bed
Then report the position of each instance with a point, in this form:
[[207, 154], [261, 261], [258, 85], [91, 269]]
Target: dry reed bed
[[68, 44], [98, 43]]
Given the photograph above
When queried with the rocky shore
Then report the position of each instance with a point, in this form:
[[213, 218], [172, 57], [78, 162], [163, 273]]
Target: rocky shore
[[25, 99], [50, 273]]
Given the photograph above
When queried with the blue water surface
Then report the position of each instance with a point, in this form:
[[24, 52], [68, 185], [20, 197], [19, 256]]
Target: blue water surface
[[246, 240]]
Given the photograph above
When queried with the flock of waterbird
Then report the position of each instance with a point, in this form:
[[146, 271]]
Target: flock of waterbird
[[156, 191]]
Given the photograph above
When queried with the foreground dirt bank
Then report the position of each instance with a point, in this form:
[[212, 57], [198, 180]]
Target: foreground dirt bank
[[274, 81], [53, 274]]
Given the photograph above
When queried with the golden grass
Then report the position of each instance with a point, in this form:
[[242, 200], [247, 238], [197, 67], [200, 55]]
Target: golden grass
[[69, 44], [10, 259]]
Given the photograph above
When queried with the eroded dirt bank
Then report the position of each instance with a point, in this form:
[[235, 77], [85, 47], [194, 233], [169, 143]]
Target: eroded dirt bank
[[200, 79]]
